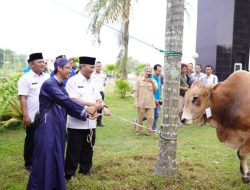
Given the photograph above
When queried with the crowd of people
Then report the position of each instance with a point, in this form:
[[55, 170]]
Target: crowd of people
[[68, 104], [147, 92], [49, 104], [188, 77]]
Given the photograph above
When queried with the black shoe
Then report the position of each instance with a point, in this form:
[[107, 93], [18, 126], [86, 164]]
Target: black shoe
[[28, 168], [68, 178], [84, 172], [100, 125]]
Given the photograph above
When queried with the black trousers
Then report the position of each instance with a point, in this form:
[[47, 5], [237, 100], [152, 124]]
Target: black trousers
[[29, 145], [99, 118], [79, 151]]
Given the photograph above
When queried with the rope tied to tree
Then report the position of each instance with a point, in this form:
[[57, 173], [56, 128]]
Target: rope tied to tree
[[168, 52], [166, 138]]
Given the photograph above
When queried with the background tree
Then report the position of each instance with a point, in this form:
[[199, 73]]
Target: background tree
[[106, 11], [110, 69], [132, 64], [139, 69], [166, 162], [10, 60]]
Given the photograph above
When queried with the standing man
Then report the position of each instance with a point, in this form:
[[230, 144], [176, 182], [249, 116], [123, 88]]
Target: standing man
[[144, 100], [28, 90], [157, 94], [184, 86], [209, 78], [189, 72], [100, 79], [197, 75], [81, 134]]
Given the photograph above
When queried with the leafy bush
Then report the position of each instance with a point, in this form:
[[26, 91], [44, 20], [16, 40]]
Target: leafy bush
[[10, 111], [122, 87]]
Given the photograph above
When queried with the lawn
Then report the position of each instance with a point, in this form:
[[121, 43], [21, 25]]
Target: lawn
[[124, 161]]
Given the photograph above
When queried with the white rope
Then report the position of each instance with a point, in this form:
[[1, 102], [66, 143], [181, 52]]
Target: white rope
[[133, 123], [160, 133], [90, 137]]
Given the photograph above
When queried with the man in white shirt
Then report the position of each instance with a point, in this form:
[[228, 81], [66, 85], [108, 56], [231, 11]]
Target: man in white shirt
[[81, 134], [209, 78], [100, 79], [29, 86], [197, 75]]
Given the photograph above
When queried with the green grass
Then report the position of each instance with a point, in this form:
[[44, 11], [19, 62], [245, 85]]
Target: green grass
[[124, 161]]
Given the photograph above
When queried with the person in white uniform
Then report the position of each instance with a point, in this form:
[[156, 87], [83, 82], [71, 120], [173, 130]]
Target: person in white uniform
[[29, 86], [81, 134], [100, 79], [209, 78]]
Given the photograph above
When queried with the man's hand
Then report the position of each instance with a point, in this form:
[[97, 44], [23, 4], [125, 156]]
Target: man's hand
[[91, 110], [93, 116], [106, 111], [99, 104], [149, 80], [26, 120]]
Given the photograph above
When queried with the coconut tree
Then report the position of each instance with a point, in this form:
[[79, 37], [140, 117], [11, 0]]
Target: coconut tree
[[166, 162], [110, 11]]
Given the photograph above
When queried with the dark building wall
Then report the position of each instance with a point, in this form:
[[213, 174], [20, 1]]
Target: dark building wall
[[241, 34], [206, 32], [215, 35], [224, 34]]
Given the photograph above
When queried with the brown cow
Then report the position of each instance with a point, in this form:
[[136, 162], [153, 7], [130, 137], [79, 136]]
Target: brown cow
[[229, 103]]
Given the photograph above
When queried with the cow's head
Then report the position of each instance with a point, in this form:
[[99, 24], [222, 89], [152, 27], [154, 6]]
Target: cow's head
[[196, 100]]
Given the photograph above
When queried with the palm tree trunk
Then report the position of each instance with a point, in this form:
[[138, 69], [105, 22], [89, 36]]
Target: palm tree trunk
[[125, 38], [166, 162]]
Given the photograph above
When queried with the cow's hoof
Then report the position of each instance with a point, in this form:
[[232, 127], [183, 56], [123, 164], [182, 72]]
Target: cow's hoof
[[246, 179]]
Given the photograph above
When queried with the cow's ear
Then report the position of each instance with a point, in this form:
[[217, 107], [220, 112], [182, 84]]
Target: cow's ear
[[215, 87], [208, 90]]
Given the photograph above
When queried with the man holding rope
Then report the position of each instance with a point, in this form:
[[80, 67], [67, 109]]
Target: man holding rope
[[81, 134]]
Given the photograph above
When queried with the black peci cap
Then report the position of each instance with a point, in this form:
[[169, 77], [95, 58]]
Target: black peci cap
[[87, 60], [35, 56]]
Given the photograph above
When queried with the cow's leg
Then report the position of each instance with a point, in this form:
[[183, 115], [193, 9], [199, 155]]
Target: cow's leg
[[242, 154]]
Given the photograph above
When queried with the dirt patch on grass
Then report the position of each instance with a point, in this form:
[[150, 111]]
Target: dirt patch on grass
[[143, 157]]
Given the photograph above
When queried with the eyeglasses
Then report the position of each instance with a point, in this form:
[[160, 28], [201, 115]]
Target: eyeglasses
[[67, 68]]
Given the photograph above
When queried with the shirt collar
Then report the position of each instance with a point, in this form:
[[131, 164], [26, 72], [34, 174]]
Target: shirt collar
[[155, 76], [60, 82], [83, 78], [97, 73], [34, 74]]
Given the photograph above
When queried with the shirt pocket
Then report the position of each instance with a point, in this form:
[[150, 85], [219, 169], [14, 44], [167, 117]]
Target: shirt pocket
[[142, 87], [149, 87], [81, 91], [34, 88]]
